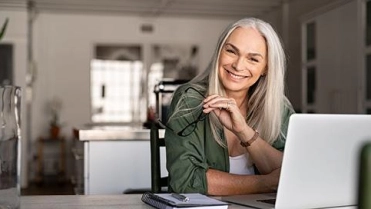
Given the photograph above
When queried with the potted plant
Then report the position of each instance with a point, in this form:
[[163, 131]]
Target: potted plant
[[54, 108]]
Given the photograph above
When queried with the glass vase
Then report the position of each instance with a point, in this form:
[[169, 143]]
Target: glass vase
[[10, 104]]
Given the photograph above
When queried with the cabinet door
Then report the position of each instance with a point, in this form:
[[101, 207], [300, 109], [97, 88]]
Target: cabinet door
[[111, 167]]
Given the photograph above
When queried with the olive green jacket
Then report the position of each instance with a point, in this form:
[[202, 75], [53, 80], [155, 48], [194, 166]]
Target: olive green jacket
[[189, 157]]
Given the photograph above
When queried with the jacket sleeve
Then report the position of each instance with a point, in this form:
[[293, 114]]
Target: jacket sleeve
[[281, 141], [185, 156]]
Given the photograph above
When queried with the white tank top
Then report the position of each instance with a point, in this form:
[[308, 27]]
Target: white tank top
[[241, 165]]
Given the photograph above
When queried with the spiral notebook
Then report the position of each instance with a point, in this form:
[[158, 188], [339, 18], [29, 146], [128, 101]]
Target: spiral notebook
[[196, 200]]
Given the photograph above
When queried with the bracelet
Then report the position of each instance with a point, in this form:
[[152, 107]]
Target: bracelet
[[249, 142]]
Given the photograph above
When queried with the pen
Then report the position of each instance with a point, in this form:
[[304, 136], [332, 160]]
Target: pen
[[180, 197]]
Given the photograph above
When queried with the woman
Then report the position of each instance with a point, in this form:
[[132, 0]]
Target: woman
[[227, 127]]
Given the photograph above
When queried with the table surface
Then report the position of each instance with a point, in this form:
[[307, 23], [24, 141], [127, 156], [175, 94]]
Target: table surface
[[132, 201]]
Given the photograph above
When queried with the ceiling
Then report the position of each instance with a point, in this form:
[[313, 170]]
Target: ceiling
[[188, 8]]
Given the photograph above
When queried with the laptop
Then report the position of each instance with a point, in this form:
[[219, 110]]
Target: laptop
[[320, 163]]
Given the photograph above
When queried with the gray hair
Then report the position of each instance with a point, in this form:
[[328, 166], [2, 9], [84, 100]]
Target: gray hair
[[266, 100]]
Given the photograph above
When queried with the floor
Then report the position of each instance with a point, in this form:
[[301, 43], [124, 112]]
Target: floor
[[49, 188]]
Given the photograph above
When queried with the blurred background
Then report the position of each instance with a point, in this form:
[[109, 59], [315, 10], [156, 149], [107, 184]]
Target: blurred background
[[96, 63]]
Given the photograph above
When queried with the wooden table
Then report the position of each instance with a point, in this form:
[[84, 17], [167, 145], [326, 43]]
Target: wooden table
[[61, 160], [129, 201]]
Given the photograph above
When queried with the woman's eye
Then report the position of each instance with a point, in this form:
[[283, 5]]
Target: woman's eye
[[254, 60], [230, 51]]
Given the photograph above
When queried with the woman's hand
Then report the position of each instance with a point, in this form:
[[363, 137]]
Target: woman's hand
[[227, 111]]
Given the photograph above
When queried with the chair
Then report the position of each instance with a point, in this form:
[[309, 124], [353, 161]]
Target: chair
[[157, 182]]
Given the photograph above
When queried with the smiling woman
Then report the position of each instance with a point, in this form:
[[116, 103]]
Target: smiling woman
[[244, 117]]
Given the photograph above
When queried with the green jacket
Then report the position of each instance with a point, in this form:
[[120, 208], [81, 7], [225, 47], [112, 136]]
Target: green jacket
[[189, 157]]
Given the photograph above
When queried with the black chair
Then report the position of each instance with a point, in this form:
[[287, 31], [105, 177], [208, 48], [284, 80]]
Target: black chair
[[157, 182]]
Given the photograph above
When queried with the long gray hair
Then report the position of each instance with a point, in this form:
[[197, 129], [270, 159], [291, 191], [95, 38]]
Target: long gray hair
[[266, 97]]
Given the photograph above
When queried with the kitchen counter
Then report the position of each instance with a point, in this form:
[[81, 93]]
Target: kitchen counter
[[87, 133], [115, 159]]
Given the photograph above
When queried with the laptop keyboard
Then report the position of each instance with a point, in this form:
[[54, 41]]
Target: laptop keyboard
[[269, 201]]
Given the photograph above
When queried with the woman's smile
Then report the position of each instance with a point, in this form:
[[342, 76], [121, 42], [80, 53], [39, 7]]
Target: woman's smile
[[235, 76]]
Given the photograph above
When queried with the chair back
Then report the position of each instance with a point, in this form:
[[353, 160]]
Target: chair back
[[157, 182]]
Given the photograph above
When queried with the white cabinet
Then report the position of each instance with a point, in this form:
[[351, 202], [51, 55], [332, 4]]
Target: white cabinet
[[112, 167]]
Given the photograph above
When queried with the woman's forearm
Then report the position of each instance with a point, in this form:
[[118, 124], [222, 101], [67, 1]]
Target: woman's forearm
[[222, 183], [265, 157]]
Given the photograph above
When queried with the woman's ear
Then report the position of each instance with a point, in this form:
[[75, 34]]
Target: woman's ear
[[264, 73]]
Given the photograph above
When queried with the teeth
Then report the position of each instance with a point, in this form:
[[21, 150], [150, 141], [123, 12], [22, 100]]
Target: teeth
[[235, 76]]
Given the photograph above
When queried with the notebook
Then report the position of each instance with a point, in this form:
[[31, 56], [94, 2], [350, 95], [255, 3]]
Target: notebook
[[320, 163], [194, 200]]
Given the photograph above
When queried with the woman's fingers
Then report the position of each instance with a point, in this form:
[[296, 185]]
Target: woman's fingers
[[217, 102], [211, 97]]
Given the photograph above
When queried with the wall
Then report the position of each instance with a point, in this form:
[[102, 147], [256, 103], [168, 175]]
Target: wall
[[337, 71], [296, 10]]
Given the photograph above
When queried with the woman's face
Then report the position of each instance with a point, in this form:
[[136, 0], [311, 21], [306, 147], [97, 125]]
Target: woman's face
[[242, 60]]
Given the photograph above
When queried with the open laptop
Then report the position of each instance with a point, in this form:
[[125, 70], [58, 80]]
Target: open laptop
[[320, 163]]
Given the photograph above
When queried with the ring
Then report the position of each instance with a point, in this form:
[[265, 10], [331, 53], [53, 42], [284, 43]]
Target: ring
[[228, 103]]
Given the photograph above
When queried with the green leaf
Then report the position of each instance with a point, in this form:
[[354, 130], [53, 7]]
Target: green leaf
[[2, 32]]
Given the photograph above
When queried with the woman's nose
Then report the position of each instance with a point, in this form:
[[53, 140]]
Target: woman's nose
[[238, 64]]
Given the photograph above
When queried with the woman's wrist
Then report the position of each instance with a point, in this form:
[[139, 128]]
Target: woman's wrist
[[251, 140], [247, 136]]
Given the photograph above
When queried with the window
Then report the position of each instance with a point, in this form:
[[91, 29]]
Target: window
[[368, 23], [122, 82], [311, 41], [309, 68], [311, 85], [116, 85]]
